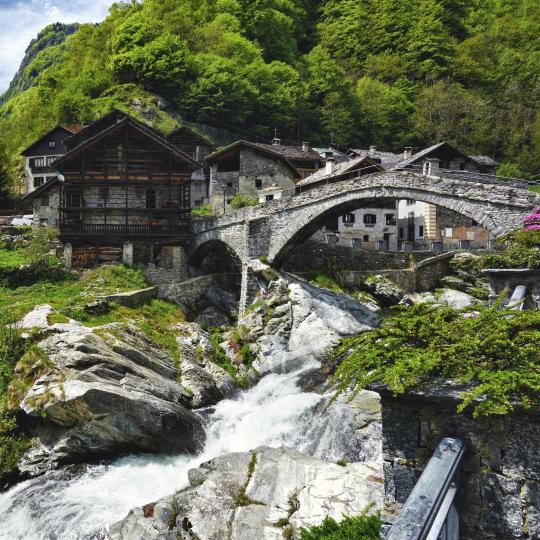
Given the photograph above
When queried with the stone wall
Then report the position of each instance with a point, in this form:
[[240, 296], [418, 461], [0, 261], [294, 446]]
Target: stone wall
[[48, 213], [317, 255], [499, 493]]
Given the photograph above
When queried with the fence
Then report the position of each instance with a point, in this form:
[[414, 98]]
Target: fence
[[430, 512]]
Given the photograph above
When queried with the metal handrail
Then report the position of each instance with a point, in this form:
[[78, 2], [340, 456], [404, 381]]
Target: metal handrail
[[429, 513]]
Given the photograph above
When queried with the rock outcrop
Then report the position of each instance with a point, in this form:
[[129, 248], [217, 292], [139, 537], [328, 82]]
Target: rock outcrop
[[207, 382], [295, 322], [102, 392], [442, 297], [256, 495]]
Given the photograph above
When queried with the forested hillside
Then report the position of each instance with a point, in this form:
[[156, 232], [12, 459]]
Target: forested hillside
[[384, 72]]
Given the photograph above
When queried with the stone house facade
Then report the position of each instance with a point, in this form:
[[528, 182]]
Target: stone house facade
[[248, 168]]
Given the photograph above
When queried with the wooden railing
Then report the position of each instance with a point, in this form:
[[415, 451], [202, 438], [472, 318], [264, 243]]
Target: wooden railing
[[117, 229], [430, 512]]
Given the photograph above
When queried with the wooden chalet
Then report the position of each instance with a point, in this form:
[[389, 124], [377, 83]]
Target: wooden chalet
[[119, 181]]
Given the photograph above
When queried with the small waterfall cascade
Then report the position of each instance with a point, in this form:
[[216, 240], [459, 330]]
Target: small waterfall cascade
[[76, 503]]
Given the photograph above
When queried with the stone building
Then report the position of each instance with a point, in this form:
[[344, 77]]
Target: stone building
[[419, 222], [198, 148], [121, 183], [39, 156], [247, 168]]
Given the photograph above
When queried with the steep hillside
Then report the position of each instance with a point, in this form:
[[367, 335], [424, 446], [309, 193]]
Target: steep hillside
[[42, 52], [366, 71]]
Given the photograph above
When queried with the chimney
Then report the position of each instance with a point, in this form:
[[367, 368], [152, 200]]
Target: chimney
[[372, 150], [276, 141], [407, 152], [305, 147], [330, 165]]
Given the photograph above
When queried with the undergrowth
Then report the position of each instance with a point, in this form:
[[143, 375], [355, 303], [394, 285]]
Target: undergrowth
[[497, 351]]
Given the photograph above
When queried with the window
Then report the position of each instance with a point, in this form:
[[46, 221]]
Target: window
[[229, 184], [45, 200], [73, 199], [366, 238], [50, 160], [104, 193], [349, 218], [401, 232], [410, 202], [258, 183], [39, 162], [52, 144], [38, 181], [269, 197], [390, 219], [370, 219], [420, 231], [448, 232], [150, 199]]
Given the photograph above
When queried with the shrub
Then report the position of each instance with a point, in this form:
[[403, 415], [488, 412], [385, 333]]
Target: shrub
[[241, 201], [496, 351], [362, 527], [205, 210]]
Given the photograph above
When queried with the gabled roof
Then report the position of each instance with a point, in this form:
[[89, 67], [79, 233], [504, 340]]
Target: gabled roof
[[186, 132], [117, 124], [425, 152], [265, 149], [293, 153], [43, 188], [336, 154], [387, 159], [342, 168], [68, 132]]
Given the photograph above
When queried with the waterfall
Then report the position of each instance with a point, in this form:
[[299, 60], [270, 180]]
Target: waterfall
[[77, 503]]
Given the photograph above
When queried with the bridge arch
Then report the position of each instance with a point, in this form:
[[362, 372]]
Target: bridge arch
[[495, 214]]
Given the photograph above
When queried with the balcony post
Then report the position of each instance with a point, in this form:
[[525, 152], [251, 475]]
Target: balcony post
[[127, 253]]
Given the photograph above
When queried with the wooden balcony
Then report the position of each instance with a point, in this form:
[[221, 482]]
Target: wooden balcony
[[140, 230]]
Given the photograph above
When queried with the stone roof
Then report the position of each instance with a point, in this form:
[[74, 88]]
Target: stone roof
[[485, 161], [122, 120], [339, 169], [387, 159], [294, 153], [336, 154]]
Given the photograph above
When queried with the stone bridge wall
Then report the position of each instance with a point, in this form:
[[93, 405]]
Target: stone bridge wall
[[499, 495], [273, 229]]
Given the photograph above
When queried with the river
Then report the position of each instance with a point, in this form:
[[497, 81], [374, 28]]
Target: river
[[77, 503]]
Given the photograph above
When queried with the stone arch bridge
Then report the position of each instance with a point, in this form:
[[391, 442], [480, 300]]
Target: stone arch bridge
[[272, 229]]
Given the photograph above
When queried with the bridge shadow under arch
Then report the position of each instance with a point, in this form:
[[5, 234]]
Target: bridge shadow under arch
[[316, 221]]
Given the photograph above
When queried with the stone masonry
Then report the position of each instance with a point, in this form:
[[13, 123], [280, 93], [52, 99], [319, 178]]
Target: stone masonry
[[271, 230]]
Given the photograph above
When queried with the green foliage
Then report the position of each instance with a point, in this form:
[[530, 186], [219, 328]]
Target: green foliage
[[385, 73], [496, 351], [205, 210], [362, 527], [241, 201], [12, 348]]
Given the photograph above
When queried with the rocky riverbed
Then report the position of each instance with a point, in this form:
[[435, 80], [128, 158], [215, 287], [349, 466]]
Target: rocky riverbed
[[232, 458]]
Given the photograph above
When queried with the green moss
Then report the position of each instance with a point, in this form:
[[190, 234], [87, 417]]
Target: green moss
[[57, 318], [341, 463], [242, 499]]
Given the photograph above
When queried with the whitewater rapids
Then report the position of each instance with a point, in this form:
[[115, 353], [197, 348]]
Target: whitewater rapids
[[80, 503]]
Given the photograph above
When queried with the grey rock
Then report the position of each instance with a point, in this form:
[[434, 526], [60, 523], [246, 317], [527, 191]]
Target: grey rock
[[456, 299], [385, 292], [207, 382], [210, 503], [295, 322], [211, 316], [107, 393]]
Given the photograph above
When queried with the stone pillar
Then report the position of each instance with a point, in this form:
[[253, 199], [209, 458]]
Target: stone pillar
[[179, 261], [127, 253], [68, 256]]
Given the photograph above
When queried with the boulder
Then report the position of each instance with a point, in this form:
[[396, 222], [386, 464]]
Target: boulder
[[106, 392], [255, 495], [42, 317], [204, 379], [385, 292], [295, 322], [456, 299]]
